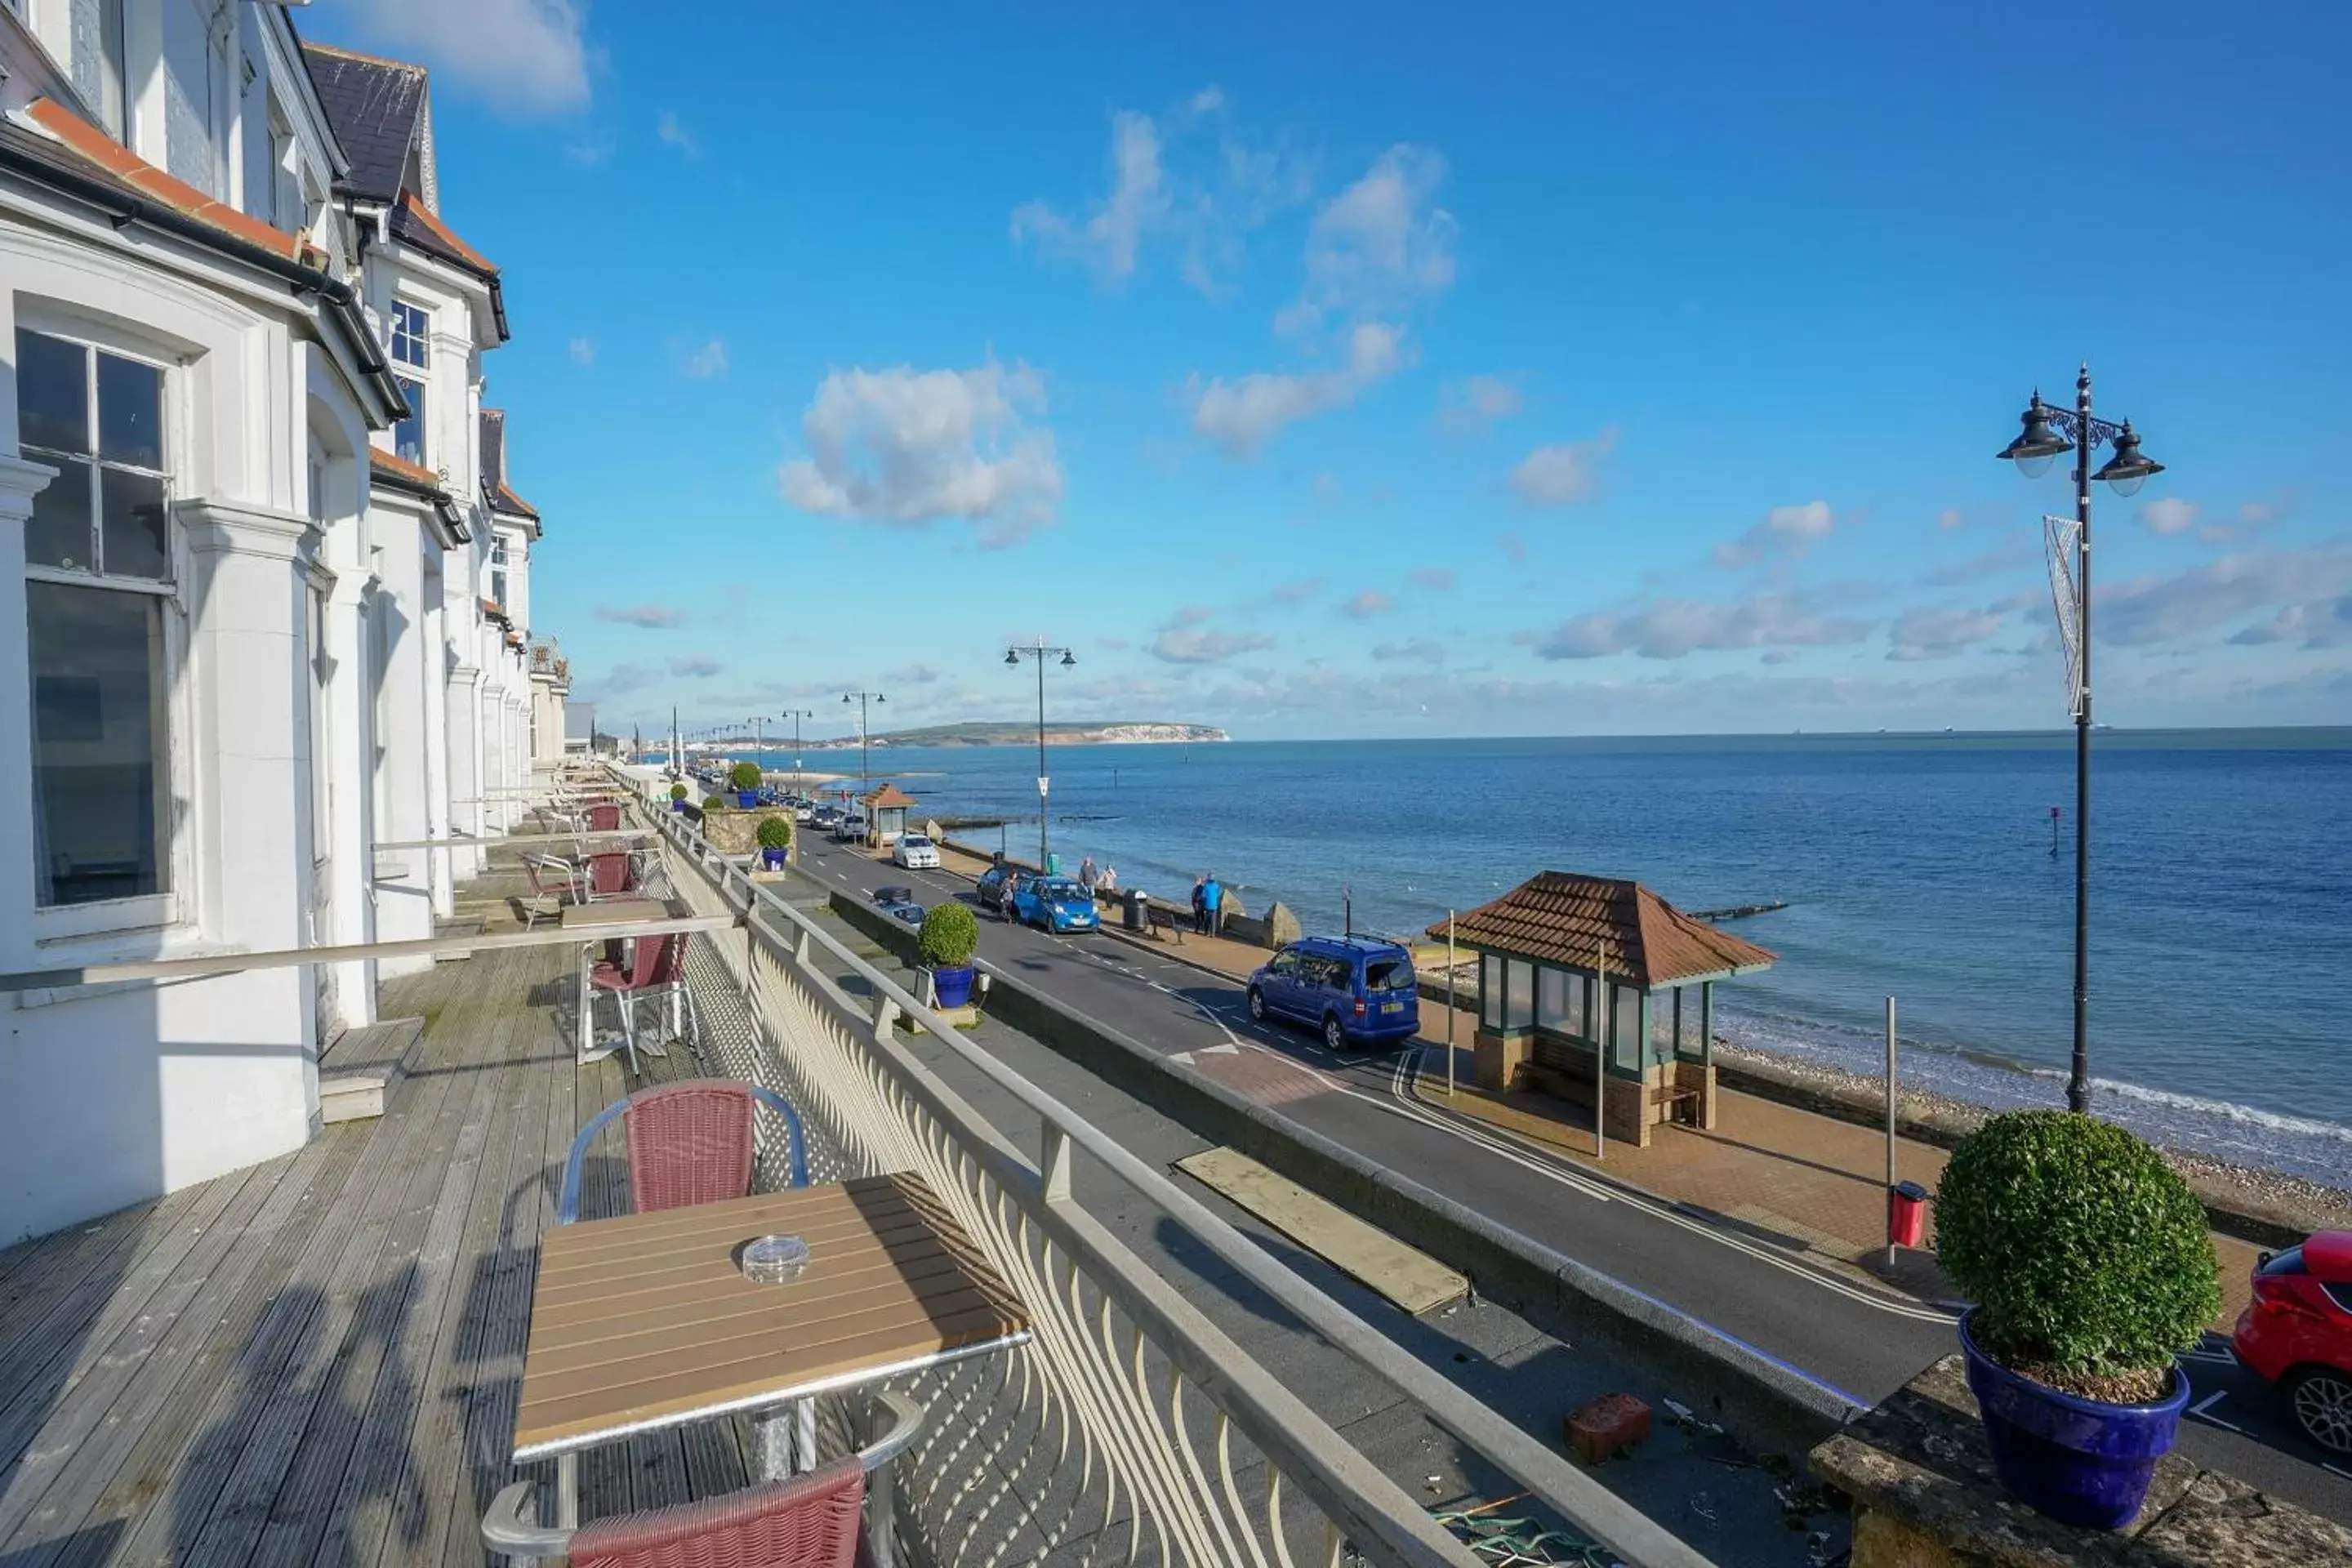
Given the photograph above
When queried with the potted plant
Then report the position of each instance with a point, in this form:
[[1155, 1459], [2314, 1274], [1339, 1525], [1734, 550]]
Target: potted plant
[[946, 944], [712, 802], [746, 778], [776, 839], [678, 798], [2088, 1260]]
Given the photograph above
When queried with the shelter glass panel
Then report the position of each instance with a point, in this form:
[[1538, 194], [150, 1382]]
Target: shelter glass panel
[[1519, 995]]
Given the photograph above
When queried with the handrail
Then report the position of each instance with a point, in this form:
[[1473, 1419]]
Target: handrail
[[1609, 1519]]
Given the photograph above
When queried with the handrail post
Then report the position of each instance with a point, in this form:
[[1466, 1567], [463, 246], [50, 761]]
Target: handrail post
[[1054, 1159]]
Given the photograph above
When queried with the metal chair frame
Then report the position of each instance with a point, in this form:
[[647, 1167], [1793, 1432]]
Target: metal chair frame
[[627, 999]]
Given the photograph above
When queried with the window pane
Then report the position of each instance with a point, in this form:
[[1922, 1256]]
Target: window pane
[[1490, 990], [1626, 1042], [1519, 1012], [52, 392], [97, 666], [133, 510], [130, 412], [59, 534], [408, 436]]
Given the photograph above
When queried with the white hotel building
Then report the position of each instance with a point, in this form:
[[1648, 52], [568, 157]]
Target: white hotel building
[[267, 600]]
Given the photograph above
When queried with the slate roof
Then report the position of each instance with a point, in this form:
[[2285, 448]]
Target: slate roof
[[500, 494], [1560, 917], [414, 222], [374, 106]]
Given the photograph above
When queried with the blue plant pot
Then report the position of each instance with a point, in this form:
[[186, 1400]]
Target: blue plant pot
[[2080, 1461], [774, 859], [953, 986], [677, 806], [749, 799]]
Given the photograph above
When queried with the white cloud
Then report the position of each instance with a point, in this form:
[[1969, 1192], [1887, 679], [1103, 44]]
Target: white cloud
[[1108, 236], [2149, 610], [657, 616], [704, 363], [2169, 515], [1296, 593], [1438, 578], [1418, 649], [582, 351], [904, 446], [1669, 629], [1363, 606], [912, 675], [1934, 632], [1564, 472], [676, 135], [1785, 531], [1240, 416], [524, 58], [1206, 647], [693, 666], [1379, 246], [2315, 625], [1478, 403]]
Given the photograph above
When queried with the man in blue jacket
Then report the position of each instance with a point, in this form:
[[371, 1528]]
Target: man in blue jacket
[[1212, 900]]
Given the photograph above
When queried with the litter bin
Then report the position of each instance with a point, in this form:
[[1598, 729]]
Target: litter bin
[[1138, 914], [1907, 1213]]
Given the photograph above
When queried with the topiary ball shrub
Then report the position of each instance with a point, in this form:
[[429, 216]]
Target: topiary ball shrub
[[714, 802], [775, 833], [2084, 1250], [950, 935], [678, 792], [745, 775]]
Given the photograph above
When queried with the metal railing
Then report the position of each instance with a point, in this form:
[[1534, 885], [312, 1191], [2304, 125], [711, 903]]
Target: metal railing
[[1130, 1408]]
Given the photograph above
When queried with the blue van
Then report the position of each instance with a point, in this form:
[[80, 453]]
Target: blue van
[[1358, 990]]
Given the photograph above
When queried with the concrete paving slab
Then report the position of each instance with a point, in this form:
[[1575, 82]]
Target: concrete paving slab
[[1411, 1279]]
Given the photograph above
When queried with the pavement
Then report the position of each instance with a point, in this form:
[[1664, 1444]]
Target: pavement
[[1761, 1229]]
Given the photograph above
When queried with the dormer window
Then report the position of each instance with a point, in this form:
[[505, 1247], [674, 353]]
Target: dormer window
[[411, 351], [410, 340]]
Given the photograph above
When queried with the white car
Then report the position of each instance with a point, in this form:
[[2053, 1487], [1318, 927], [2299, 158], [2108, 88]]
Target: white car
[[916, 853]]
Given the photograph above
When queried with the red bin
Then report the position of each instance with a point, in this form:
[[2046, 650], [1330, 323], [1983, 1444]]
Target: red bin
[[1907, 1213]]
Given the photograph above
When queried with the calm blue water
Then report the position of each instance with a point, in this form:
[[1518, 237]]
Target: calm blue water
[[1915, 866]]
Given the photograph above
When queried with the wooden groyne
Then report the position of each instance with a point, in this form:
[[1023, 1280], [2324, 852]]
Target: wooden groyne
[[1740, 911]]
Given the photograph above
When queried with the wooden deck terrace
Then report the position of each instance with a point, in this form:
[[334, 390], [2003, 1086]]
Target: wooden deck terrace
[[316, 1359]]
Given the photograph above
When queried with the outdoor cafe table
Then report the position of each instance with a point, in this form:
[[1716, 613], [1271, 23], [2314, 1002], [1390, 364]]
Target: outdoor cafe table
[[645, 1322]]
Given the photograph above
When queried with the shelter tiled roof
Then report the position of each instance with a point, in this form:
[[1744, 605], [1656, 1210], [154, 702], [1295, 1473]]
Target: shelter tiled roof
[[374, 106], [118, 165], [1560, 917], [889, 795]]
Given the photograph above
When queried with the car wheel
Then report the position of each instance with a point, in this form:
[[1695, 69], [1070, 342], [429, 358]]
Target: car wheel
[[1335, 1038], [2319, 1398], [1257, 1005]]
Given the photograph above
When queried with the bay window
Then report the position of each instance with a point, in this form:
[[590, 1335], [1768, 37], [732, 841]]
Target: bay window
[[411, 350], [99, 568]]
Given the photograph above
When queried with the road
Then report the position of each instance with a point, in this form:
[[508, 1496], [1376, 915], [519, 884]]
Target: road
[[1859, 1342]]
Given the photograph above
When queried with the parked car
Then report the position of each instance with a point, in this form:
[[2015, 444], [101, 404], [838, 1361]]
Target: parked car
[[995, 886], [893, 894], [803, 812], [908, 912], [1055, 904], [2297, 1335], [914, 852], [1357, 990], [822, 818]]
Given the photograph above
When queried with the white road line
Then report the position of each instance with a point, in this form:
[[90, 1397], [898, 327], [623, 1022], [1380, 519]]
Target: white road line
[[2207, 1404], [2335, 1470]]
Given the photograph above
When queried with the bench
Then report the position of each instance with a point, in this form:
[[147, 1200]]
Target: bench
[[1675, 1098], [1159, 915]]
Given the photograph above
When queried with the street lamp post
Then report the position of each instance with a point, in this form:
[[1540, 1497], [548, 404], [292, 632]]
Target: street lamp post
[[2047, 432], [865, 771], [1041, 653], [796, 715], [759, 743]]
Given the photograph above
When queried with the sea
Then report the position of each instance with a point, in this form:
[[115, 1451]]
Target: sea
[[1928, 868]]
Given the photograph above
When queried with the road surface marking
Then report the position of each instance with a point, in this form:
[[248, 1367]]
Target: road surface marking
[[2206, 1404]]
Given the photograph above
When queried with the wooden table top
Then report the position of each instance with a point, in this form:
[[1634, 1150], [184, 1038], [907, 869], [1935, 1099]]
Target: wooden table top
[[621, 912], [644, 1321]]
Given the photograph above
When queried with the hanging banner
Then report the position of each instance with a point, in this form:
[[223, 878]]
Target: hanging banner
[[2063, 538]]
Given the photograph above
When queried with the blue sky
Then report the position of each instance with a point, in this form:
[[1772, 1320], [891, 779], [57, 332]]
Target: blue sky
[[1408, 370]]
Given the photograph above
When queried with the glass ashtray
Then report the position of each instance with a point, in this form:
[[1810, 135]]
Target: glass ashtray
[[775, 1259]]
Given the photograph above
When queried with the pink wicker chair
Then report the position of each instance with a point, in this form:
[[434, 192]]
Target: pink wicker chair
[[611, 872], [554, 880], [605, 818], [689, 1142], [656, 969], [812, 1520]]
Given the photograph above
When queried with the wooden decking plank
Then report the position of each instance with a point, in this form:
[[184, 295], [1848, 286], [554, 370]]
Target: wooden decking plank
[[131, 1471], [312, 1489], [223, 1486], [117, 1350], [371, 1501], [488, 1441], [385, 1510]]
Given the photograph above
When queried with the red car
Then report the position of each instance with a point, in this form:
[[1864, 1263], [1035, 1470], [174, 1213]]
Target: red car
[[2298, 1334]]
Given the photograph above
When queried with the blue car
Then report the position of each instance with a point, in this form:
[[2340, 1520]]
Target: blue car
[[1052, 903], [1354, 990]]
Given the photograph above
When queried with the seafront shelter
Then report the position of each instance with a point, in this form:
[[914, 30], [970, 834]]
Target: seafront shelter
[[885, 813], [1571, 966]]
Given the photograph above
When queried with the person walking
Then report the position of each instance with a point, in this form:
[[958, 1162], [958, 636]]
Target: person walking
[[1109, 883], [1201, 902], [1087, 875], [1212, 899]]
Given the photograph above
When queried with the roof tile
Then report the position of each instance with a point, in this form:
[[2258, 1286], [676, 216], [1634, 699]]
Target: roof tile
[[1561, 917], [111, 158]]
